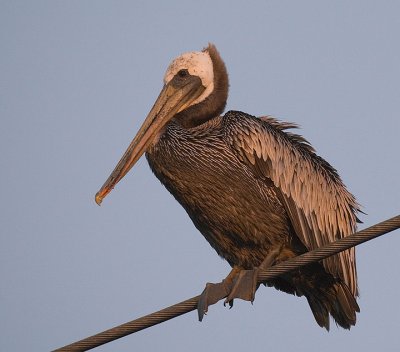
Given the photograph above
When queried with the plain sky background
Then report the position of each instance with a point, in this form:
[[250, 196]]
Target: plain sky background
[[78, 78]]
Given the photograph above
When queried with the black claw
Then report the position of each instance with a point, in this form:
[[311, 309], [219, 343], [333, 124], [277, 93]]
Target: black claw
[[230, 302]]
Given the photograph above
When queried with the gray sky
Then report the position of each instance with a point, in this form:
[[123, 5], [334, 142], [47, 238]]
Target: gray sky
[[77, 80]]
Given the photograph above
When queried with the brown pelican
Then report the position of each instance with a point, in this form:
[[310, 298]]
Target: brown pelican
[[257, 193]]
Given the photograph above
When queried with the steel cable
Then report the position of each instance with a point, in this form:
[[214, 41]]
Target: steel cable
[[277, 270]]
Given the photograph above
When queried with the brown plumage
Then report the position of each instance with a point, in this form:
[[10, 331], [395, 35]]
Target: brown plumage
[[250, 187]]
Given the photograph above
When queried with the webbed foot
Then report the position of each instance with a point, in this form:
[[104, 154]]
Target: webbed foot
[[240, 283], [211, 295], [244, 287]]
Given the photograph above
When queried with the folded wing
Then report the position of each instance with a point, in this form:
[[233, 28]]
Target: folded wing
[[318, 204]]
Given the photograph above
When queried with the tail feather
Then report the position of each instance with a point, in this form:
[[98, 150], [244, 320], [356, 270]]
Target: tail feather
[[326, 295], [335, 300], [321, 313]]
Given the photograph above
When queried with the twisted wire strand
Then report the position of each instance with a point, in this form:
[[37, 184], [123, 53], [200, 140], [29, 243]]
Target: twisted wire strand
[[191, 303]]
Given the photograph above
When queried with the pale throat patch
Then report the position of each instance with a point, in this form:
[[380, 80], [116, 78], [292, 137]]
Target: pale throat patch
[[198, 64]]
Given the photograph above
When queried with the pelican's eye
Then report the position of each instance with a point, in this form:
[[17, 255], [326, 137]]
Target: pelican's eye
[[183, 73]]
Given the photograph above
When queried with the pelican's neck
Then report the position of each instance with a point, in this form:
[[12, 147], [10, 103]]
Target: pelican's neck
[[214, 104]]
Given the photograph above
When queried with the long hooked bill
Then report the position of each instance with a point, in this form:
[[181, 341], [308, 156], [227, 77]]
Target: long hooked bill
[[173, 98]]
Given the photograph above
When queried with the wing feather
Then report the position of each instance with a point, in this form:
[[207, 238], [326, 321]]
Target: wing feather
[[318, 204]]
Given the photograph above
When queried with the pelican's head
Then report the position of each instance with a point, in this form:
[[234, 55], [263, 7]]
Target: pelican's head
[[192, 66], [195, 90]]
